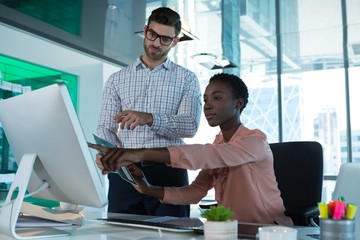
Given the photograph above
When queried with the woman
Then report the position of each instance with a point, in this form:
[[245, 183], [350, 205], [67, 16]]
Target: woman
[[239, 164]]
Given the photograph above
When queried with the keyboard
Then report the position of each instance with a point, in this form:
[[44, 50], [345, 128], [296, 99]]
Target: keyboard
[[165, 223]]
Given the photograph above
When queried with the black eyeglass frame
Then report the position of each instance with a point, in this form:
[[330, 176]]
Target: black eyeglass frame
[[161, 37]]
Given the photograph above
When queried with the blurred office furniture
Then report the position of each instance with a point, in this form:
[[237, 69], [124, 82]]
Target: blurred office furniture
[[299, 172]]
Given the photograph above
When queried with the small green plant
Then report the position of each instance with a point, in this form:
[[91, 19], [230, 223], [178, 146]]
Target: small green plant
[[217, 213]]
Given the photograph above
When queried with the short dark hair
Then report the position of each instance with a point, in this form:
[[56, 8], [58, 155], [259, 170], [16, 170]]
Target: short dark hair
[[239, 88], [166, 16]]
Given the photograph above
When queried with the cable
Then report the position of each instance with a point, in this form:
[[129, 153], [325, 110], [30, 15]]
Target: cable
[[41, 188]]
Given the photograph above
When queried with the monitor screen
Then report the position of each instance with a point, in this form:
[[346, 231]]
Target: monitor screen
[[44, 122]]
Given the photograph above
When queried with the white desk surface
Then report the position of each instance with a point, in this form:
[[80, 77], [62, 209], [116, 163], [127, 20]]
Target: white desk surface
[[94, 230], [99, 231]]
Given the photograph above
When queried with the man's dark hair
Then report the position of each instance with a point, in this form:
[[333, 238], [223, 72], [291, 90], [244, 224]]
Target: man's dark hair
[[166, 16], [237, 85]]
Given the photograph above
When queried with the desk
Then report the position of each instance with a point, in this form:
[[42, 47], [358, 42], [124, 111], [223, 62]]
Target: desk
[[94, 230], [99, 231]]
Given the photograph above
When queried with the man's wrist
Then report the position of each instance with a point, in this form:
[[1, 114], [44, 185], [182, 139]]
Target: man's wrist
[[149, 119]]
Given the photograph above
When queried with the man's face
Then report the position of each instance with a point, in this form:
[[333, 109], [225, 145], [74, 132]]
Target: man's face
[[155, 49]]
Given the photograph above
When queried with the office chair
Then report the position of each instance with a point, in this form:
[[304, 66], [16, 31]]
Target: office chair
[[299, 172], [347, 186]]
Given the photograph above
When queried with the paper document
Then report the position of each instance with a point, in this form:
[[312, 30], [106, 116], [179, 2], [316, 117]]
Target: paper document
[[38, 215], [25, 221], [123, 171]]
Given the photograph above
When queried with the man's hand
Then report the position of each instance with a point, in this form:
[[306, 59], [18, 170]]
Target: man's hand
[[131, 119]]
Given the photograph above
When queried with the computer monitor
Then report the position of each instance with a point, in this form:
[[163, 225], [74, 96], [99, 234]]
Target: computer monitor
[[49, 146], [347, 187]]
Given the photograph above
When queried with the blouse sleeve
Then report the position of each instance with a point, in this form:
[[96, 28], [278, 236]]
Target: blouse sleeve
[[190, 194], [252, 147]]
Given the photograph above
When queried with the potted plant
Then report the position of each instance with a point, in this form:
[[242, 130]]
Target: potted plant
[[219, 224]]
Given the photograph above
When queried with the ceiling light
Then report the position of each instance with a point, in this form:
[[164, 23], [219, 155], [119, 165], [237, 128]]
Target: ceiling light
[[212, 61], [112, 6], [186, 35], [183, 36], [204, 57]]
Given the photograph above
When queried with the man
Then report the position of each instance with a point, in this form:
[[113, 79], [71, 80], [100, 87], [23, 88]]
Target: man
[[151, 103]]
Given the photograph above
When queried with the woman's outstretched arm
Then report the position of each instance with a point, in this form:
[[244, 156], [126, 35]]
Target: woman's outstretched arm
[[111, 159]]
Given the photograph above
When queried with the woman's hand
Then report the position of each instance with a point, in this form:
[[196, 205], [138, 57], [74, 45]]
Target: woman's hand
[[100, 165], [140, 179], [142, 184], [111, 159]]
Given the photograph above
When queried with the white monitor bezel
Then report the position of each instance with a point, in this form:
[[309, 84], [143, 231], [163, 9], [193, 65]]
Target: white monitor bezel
[[44, 124]]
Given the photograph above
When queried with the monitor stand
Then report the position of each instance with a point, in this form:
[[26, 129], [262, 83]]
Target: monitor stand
[[10, 211]]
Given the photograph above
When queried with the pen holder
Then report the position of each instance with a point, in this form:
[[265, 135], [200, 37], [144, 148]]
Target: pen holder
[[332, 229]]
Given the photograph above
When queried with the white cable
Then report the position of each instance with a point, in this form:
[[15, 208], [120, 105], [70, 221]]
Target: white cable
[[41, 188]]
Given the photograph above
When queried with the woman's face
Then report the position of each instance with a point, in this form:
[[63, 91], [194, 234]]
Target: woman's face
[[220, 107]]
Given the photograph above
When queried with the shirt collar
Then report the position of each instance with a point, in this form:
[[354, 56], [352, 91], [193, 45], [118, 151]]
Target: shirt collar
[[139, 64]]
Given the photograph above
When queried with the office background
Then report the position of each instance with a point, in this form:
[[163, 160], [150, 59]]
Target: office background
[[300, 59]]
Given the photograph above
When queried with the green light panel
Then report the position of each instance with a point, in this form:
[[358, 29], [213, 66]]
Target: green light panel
[[35, 76]]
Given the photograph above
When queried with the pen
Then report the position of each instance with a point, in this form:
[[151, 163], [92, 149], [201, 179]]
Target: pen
[[339, 210], [331, 208], [323, 210], [350, 211]]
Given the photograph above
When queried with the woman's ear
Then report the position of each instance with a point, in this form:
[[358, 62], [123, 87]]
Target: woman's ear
[[239, 103]]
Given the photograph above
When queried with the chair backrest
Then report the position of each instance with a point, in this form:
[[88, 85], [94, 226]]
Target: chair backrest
[[347, 186], [299, 172]]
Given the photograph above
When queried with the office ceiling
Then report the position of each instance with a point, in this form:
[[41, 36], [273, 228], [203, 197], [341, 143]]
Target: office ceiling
[[64, 14], [107, 29]]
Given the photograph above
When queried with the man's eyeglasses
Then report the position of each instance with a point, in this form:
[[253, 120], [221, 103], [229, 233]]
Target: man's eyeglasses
[[152, 36]]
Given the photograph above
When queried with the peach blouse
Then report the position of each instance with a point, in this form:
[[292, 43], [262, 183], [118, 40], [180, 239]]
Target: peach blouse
[[241, 172]]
